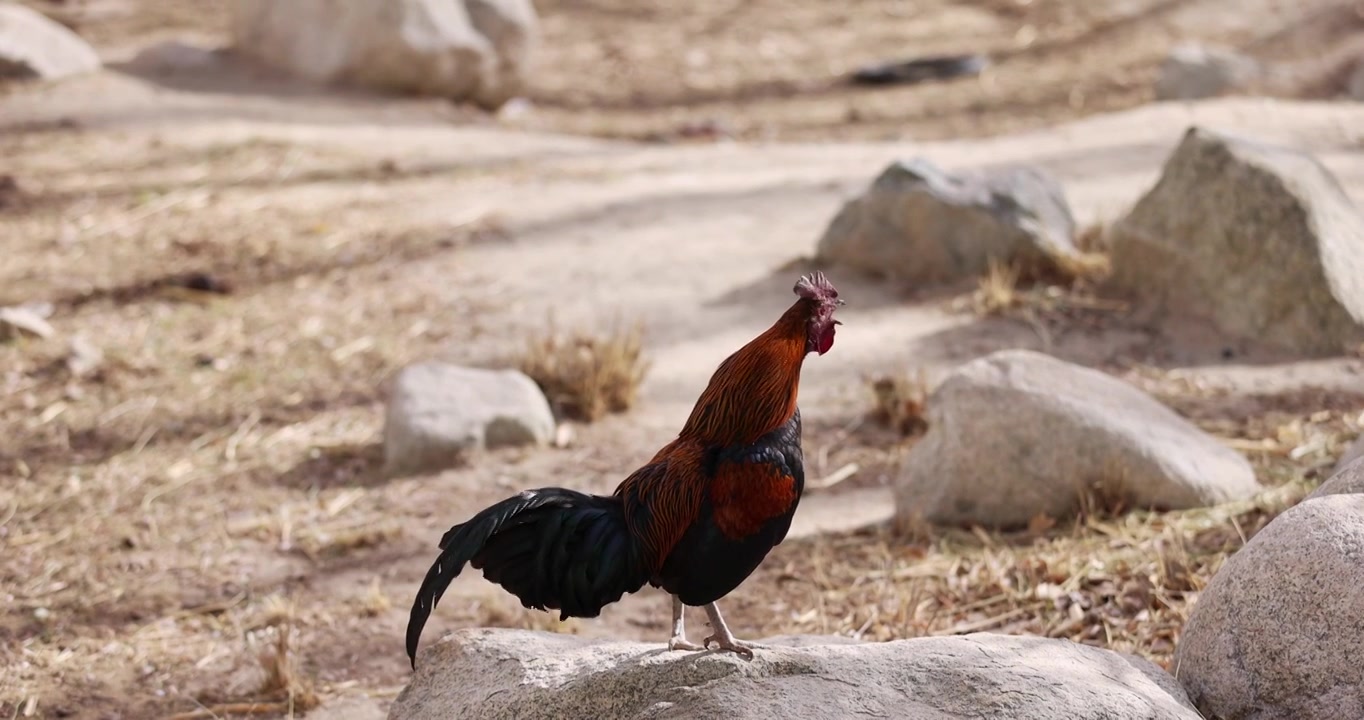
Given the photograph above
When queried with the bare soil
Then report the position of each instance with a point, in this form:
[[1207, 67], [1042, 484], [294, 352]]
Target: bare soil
[[253, 259]]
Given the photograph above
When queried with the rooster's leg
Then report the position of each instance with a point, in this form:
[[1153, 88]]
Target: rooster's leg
[[679, 639], [722, 637]]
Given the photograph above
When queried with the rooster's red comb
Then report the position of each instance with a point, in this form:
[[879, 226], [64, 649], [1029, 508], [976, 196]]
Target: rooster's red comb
[[816, 287]]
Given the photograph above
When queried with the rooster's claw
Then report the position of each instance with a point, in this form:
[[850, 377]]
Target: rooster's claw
[[741, 649], [681, 643]]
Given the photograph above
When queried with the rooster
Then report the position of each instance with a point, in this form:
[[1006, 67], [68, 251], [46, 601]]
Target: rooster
[[696, 520]]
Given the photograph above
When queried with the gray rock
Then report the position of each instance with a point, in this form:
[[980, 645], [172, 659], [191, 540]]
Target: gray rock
[[1279, 632], [1017, 434], [1348, 478], [921, 224], [1260, 240], [465, 50], [35, 47], [505, 674], [437, 413], [1192, 71]]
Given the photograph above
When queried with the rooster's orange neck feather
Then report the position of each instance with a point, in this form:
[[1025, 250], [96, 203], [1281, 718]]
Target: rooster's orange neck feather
[[753, 392]]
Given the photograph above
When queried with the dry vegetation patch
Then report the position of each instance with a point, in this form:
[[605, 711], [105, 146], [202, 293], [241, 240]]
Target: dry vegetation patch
[[1008, 290], [900, 401], [1066, 284], [587, 375], [1124, 583], [280, 688]]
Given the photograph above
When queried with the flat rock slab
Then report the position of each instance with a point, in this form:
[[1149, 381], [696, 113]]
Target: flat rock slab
[[505, 674]]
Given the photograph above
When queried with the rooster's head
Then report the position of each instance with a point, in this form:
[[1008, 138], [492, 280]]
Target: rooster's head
[[822, 300]]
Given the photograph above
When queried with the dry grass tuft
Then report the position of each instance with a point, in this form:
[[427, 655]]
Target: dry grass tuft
[[1092, 263], [1102, 497], [282, 678], [1093, 238], [900, 402], [375, 601], [1084, 267], [1105, 498], [1008, 290], [321, 542], [282, 689], [275, 611], [586, 376], [997, 291]]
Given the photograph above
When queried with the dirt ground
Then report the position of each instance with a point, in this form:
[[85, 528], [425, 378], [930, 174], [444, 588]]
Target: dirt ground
[[197, 525], [777, 70]]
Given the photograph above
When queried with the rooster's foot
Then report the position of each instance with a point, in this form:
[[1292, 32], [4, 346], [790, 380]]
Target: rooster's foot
[[728, 642], [679, 642], [723, 638]]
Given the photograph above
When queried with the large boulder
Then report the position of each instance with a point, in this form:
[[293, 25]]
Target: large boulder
[[1192, 71], [478, 51], [438, 412], [1260, 240], [505, 674], [1279, 632], [921, 224], [33, 47], [1018, 434]]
